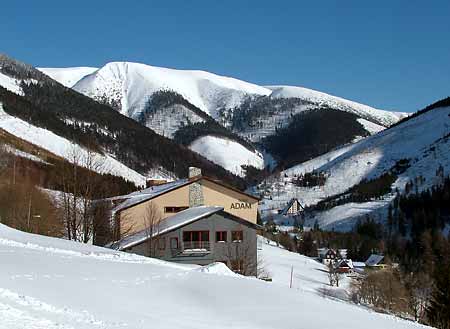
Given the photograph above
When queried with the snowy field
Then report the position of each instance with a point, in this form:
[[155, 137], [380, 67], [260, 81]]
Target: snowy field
[[52, 283], [227, 153]]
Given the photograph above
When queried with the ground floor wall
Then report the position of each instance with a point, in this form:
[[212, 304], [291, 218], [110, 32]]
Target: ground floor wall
[[221, 240]]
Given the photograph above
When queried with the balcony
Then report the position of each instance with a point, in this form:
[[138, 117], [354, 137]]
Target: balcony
[[196, 246]]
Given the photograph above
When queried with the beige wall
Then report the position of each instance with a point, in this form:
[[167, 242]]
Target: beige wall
[[217, 195], [133, 219]]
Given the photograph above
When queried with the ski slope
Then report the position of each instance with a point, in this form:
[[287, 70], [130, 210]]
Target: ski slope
[[420, 139], [228, 154], [52, 283], [67, 76], [65, 148]]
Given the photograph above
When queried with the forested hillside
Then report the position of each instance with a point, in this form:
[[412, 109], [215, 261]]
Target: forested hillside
[[49, 105]]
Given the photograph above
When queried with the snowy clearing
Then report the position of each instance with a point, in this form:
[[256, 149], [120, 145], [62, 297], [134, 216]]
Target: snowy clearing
[[227, 153]]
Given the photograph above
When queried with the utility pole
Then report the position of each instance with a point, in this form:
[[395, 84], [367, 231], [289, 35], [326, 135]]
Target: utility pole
[[292, 274], [29, 214], [14, 171]]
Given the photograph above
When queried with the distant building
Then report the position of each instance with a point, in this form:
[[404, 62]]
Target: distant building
[[327, 256], [344, 266], [293, 208]]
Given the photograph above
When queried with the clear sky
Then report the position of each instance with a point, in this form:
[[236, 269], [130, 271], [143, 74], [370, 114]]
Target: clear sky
[[387, 54]]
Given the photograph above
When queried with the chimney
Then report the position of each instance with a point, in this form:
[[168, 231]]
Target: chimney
[[195, 189], [194, 172], [155, 182]]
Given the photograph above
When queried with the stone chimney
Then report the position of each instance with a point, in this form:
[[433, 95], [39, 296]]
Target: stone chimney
[[194, 172], [195, 189]]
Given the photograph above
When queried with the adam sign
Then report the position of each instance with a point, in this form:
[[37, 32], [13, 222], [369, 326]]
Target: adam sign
[[241, 205]]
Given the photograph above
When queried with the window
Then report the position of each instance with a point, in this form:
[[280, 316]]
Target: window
[[196, 239], [174, 243], [162, 243], [174, 209], [236, 236], [221, 236]]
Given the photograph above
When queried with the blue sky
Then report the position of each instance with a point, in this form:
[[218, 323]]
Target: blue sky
[[388, 54]]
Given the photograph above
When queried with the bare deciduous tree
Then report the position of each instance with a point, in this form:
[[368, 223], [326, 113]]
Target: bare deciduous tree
[[152, 219], [242, 255], [78, 194]]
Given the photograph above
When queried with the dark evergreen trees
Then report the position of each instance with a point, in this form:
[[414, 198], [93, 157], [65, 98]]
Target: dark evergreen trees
[[312, 133]]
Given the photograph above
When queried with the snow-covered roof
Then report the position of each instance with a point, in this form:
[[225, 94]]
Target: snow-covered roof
[[323, 251], [344, 263], [147, 194], [374, 260], [168, 224]]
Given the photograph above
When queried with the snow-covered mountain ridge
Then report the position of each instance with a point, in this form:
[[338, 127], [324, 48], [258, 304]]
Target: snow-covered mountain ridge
[[166, 100], [67, 76], [128, 85]]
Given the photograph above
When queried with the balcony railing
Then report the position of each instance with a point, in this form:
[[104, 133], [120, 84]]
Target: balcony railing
[[196, 245]]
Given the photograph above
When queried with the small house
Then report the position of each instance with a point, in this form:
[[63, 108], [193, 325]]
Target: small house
[[327, 256], [344, 266]]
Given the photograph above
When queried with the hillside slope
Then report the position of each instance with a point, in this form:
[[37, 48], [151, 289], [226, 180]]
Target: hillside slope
[[418, 146], [53, 283], [36, 99]]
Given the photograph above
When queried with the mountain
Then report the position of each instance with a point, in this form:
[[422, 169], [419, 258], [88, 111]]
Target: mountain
[[42, 111], [129, 85], [67, 76], [54, 283], [350, 182], [168, 100], [384, 118]]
